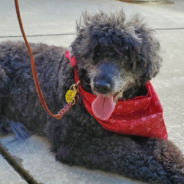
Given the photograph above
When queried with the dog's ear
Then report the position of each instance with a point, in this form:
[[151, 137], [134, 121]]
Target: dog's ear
[[148, 59]]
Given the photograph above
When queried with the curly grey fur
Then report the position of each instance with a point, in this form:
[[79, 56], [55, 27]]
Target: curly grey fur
[[124, 54]]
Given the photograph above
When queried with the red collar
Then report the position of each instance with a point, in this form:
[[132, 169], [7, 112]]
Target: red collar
[[140, 116]]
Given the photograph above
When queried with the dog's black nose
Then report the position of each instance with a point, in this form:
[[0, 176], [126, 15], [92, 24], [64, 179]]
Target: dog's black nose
[[102, 86]]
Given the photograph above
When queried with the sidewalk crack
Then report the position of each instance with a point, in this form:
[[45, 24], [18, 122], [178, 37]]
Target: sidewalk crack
[[15, 165]]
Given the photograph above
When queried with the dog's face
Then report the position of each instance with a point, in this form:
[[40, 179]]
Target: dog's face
[[115, 58], [108, 72]]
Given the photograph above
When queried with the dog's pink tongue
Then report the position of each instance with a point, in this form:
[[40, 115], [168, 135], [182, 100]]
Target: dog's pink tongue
[[103, 107]]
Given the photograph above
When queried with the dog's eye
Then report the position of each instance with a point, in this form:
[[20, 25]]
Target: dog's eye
[[126, 58], [127, 62]]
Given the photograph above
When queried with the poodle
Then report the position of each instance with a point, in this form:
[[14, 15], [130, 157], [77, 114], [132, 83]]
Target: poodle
[[115, 60]]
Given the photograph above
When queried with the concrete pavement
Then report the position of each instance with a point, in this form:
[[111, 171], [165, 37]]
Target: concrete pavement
[[53, 22]]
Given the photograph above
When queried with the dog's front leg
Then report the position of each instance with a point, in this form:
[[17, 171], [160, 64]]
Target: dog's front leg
[[154, 161], [146, 159]]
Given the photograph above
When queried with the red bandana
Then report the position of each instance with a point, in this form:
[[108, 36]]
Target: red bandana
[[140, 116]]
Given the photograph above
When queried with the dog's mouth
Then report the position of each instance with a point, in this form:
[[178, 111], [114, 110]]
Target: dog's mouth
[[103, 106]]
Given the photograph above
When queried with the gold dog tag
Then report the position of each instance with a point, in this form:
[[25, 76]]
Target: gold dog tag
[[69, 96], [72, 92]]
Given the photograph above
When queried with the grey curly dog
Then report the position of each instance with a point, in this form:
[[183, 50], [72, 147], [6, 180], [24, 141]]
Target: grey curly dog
[[114, 58]]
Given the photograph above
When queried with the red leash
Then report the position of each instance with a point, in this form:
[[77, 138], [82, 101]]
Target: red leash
[[38, 89]]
